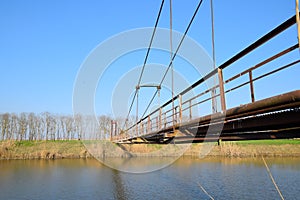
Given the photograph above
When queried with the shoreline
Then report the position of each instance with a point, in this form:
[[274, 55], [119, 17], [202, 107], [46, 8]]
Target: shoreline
[[74, 149]]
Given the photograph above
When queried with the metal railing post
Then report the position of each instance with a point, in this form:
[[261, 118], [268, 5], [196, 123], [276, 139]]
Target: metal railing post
[[160, 119], [190, 105], [156, 126], [180, 108], [175, 118], [142, 128], [165, 120], [251, 86], [116, 128], [222, 93], [148, 124]]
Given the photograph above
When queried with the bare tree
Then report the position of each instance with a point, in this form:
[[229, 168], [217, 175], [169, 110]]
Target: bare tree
[[13, 127], [31, 126], [53, 127], [39, 127], [105, 125], [5, 122], [69, 128], [23, 125], [62, 122], [78, 120], [47, 124]]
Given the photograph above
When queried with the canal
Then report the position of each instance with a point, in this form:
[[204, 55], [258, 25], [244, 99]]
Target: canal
[[187, 178]]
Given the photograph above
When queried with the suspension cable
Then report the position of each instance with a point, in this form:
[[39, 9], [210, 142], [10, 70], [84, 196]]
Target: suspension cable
[[214, 103], [130, 108], [145, 61], [172, 66], [151, 41], [213, 33], [149, 104], [181, 41], [174, 55]]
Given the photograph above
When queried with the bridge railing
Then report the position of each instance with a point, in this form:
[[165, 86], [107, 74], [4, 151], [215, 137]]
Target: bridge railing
[[182, 107]]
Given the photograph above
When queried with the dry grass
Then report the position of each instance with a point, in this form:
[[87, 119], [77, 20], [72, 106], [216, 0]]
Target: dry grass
[[42, 150], [76, 149]]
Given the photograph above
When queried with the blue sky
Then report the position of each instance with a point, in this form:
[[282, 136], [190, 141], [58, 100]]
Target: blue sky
[[44, 43]]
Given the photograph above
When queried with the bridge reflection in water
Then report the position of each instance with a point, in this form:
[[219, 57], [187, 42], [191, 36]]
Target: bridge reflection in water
[[276, 116]]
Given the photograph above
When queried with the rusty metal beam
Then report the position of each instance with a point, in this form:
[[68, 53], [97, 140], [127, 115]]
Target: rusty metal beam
[[271, 121], [247, 136], [283, 101]]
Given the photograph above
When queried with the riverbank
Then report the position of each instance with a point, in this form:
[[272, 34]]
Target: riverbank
[[76, 149], [42, 149]]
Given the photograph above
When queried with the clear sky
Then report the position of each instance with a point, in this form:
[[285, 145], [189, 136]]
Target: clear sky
[[43, 43]]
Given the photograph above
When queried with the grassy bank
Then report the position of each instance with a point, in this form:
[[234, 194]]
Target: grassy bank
[[76, 149], [255, 148], [42, 149]]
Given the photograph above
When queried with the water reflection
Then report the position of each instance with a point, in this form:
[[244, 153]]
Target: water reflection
[[139, 164], [222, 178], [119, 187]]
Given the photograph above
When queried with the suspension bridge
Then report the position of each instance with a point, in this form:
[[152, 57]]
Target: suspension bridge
[[274, 117]]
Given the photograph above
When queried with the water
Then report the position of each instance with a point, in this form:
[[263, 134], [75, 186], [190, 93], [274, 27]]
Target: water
[[222, 178]]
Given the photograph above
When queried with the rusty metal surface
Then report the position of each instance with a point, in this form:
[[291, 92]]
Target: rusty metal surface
[[245, 136], [271, 121], [234, 120], [283, 101]]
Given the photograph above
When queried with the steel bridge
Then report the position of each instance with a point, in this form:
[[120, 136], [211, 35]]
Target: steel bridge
[[274, 117]]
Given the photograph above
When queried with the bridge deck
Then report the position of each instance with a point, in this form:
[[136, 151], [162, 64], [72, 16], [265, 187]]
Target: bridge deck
[[274, 117]]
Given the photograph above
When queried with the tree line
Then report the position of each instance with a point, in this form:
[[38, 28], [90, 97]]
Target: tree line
[[47, 126]]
